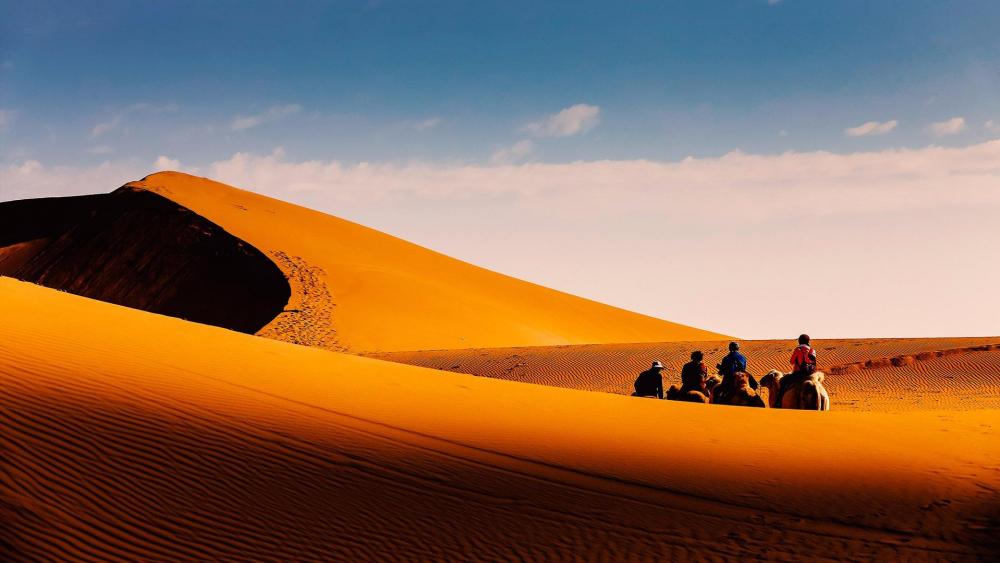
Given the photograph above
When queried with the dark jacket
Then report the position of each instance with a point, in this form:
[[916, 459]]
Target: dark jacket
[[732, 363], [649, 383], [693, 376]]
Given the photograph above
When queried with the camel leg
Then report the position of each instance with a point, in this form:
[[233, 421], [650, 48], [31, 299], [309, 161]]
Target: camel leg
[[809, 398]]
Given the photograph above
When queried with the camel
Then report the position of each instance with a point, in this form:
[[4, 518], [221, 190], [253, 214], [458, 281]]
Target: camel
[[740, 394], [703, 395], [677, 393], [809, 394]]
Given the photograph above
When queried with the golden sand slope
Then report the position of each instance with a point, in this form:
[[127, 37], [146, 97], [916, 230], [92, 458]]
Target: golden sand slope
[[136, 436], [357, 289], [932, 373]]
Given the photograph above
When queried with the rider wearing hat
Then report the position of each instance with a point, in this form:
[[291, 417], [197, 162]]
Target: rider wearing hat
[[650, 382]]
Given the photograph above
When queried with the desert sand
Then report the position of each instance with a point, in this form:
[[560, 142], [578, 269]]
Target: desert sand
[[883, 374], [130, 435], [129, 431]]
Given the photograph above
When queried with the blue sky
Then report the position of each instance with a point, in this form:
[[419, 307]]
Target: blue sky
[[842, 157], [671, 79]]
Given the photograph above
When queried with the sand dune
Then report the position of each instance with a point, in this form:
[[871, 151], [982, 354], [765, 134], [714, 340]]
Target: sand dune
[[357, 289], [137, 249], [189, 247], [862, 374], [137, 436]]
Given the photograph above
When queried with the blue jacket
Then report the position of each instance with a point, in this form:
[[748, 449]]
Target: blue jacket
[[733, 363]]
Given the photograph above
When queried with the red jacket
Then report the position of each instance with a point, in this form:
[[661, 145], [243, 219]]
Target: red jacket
[[803, 354]]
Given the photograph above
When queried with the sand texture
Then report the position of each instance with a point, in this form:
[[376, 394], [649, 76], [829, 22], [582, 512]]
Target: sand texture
[[861, 374], [129, 435], [367, 291]]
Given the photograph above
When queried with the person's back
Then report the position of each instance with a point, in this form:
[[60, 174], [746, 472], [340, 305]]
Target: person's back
[[650, 382], [803, 357], [733, 362], [803, 362], [694, 373]]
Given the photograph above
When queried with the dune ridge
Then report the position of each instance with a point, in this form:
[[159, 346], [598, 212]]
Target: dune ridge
[[138, 249], [386, 294], [200, 443], [862, 374]]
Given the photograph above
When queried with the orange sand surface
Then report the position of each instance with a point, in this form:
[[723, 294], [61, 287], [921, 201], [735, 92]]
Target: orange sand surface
[[356, 289], [933, 373], [136, 436]]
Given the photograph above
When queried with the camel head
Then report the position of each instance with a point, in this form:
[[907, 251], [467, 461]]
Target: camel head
[[771, 379], [741, 379]]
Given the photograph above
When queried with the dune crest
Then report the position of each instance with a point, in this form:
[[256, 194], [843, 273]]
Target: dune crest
[[135, 248], [387, 294]]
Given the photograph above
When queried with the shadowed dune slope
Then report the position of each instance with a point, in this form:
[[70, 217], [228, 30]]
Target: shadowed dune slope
[[135, 248], [136, 436], [356, 289], [874, 374]]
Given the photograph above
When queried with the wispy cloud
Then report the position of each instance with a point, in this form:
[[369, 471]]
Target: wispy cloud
[[992, 126], [947, 127], [242, 122], [100, 149], [105, 126], [515, 152], [871, 128], [573, 120], [118, 117], [427, 124]]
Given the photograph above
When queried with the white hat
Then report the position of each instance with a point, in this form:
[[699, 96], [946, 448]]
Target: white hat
[[657, 364]]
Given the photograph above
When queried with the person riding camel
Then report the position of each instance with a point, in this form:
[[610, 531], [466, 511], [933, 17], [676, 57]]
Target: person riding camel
[[650, 382], [694, 374], [803, 366], [731, 364]]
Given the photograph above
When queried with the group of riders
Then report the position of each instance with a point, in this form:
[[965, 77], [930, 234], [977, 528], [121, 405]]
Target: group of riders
[[732, 371]]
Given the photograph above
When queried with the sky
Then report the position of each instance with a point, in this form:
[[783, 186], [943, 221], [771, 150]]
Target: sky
[[756, 167]]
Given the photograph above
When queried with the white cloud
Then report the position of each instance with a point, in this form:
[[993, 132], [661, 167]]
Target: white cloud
[[427, 124], [6, 117], [166, 163], [992, 126], [783, 133], [100, 149], [517, 151], [947, 127], [871, 128], [754, 185], [241, 122], [575, 119]]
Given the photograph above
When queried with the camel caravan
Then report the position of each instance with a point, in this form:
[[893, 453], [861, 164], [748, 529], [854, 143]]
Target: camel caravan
[[801, 388]]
